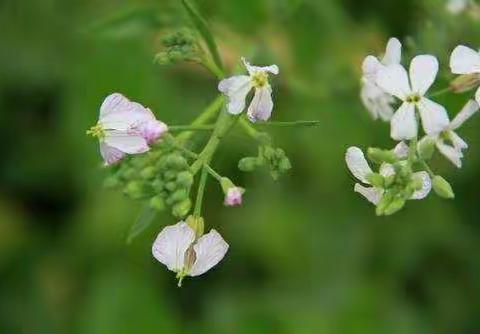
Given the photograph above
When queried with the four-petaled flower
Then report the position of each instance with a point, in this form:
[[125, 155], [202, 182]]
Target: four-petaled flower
[[411, 90], [453, 151], [358, 166], [176, 248], [125, 127], [466, 61], [236, 88], [376, 100]]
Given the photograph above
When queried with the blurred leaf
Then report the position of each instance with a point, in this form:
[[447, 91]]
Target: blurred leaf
[[201, 24], [144, 220]]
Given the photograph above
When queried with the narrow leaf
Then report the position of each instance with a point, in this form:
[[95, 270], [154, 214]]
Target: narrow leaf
[[144, 220], [201, 25]]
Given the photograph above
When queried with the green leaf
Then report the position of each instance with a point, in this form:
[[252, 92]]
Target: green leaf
[[144, 220], [201, 25]]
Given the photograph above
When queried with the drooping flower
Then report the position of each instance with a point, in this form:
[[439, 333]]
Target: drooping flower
[[236, 88], [125, 127], [359, 167], [466, 61], [233, 197], [176, 248], [448, 142], [376, 100], [411, 89]]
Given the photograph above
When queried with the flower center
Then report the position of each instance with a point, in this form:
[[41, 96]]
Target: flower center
[[96, 131], [414, 98], [259, 79]]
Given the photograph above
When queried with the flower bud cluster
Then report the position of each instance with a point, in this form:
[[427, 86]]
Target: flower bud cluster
[[178, 46], [273, 158]]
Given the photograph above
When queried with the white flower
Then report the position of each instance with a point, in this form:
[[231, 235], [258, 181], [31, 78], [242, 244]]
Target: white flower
[[411, 89], [236, 88], [176, 248], [465, 60], [376, 100], [457, 6], [125, 127], [358, 166], [453, 151]]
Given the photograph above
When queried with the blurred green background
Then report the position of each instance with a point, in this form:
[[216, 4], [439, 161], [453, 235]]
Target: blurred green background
[[307, 254]]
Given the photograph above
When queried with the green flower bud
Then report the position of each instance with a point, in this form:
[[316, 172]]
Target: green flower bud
[[185, 179], [284, 164], [136, 190], [148, 173], [394, 206], [269, 152], [380, 156], [426, 147], [111, 182], [226, 184], [442, 188], [182, 208], [376, 180], [157, 203], [171, 186], [176, 161], [248, 164], [158, 185], [384, 203], [170, 175], [179, 195]]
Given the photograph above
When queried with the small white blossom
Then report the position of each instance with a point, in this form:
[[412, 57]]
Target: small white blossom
[[411, 89], [125, 127], [449, 143], [465, 60], [236, 88], [359, 167], [376, 100], [176, 248]]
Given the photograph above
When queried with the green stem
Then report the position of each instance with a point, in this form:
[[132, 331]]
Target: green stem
[[174, 128], [290, 124], [212, 67], [212, 172], [204, 117], [201, 191], [412, 152], [249, 129], [427, 168]]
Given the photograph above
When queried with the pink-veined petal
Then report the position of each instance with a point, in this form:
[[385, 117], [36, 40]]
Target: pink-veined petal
[[113, 103], [110, 154], [261, 107], [434, 116], [464, 60], [171, 244], [209, 250], [423, 71], [125, 142], [403, 125]]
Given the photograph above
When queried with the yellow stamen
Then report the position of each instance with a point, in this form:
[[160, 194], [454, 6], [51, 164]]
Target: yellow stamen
[[96, 131], [259, 79]]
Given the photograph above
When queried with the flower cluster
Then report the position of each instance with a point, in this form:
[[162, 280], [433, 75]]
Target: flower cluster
[[152, 162], [404, 172]]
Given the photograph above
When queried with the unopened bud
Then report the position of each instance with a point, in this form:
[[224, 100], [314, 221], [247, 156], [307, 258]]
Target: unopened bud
[[181, 209], [442, 188], [284, 164], [248, 164], [394, 206], [185, 179], [376, 180], [380, 156], [426, 147], [147, 173], [157, 203], [179, 195], [465, 82]]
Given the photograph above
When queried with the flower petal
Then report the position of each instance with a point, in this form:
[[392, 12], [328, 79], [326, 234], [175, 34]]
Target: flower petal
[[458, 143], [393, 79], [372, 194], [464, 60], [401, 150], [171, 244], [370, 67], [393, 53], [110, 154], [403, 123], [209, 250], [386, 170], [376, 101], [449, 152], [125, 142], [423, 71], [467, 111], [113, 103], [426, 185], [357, 164], [434, 116], [262, 104], [236, 89], [252, 69]]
